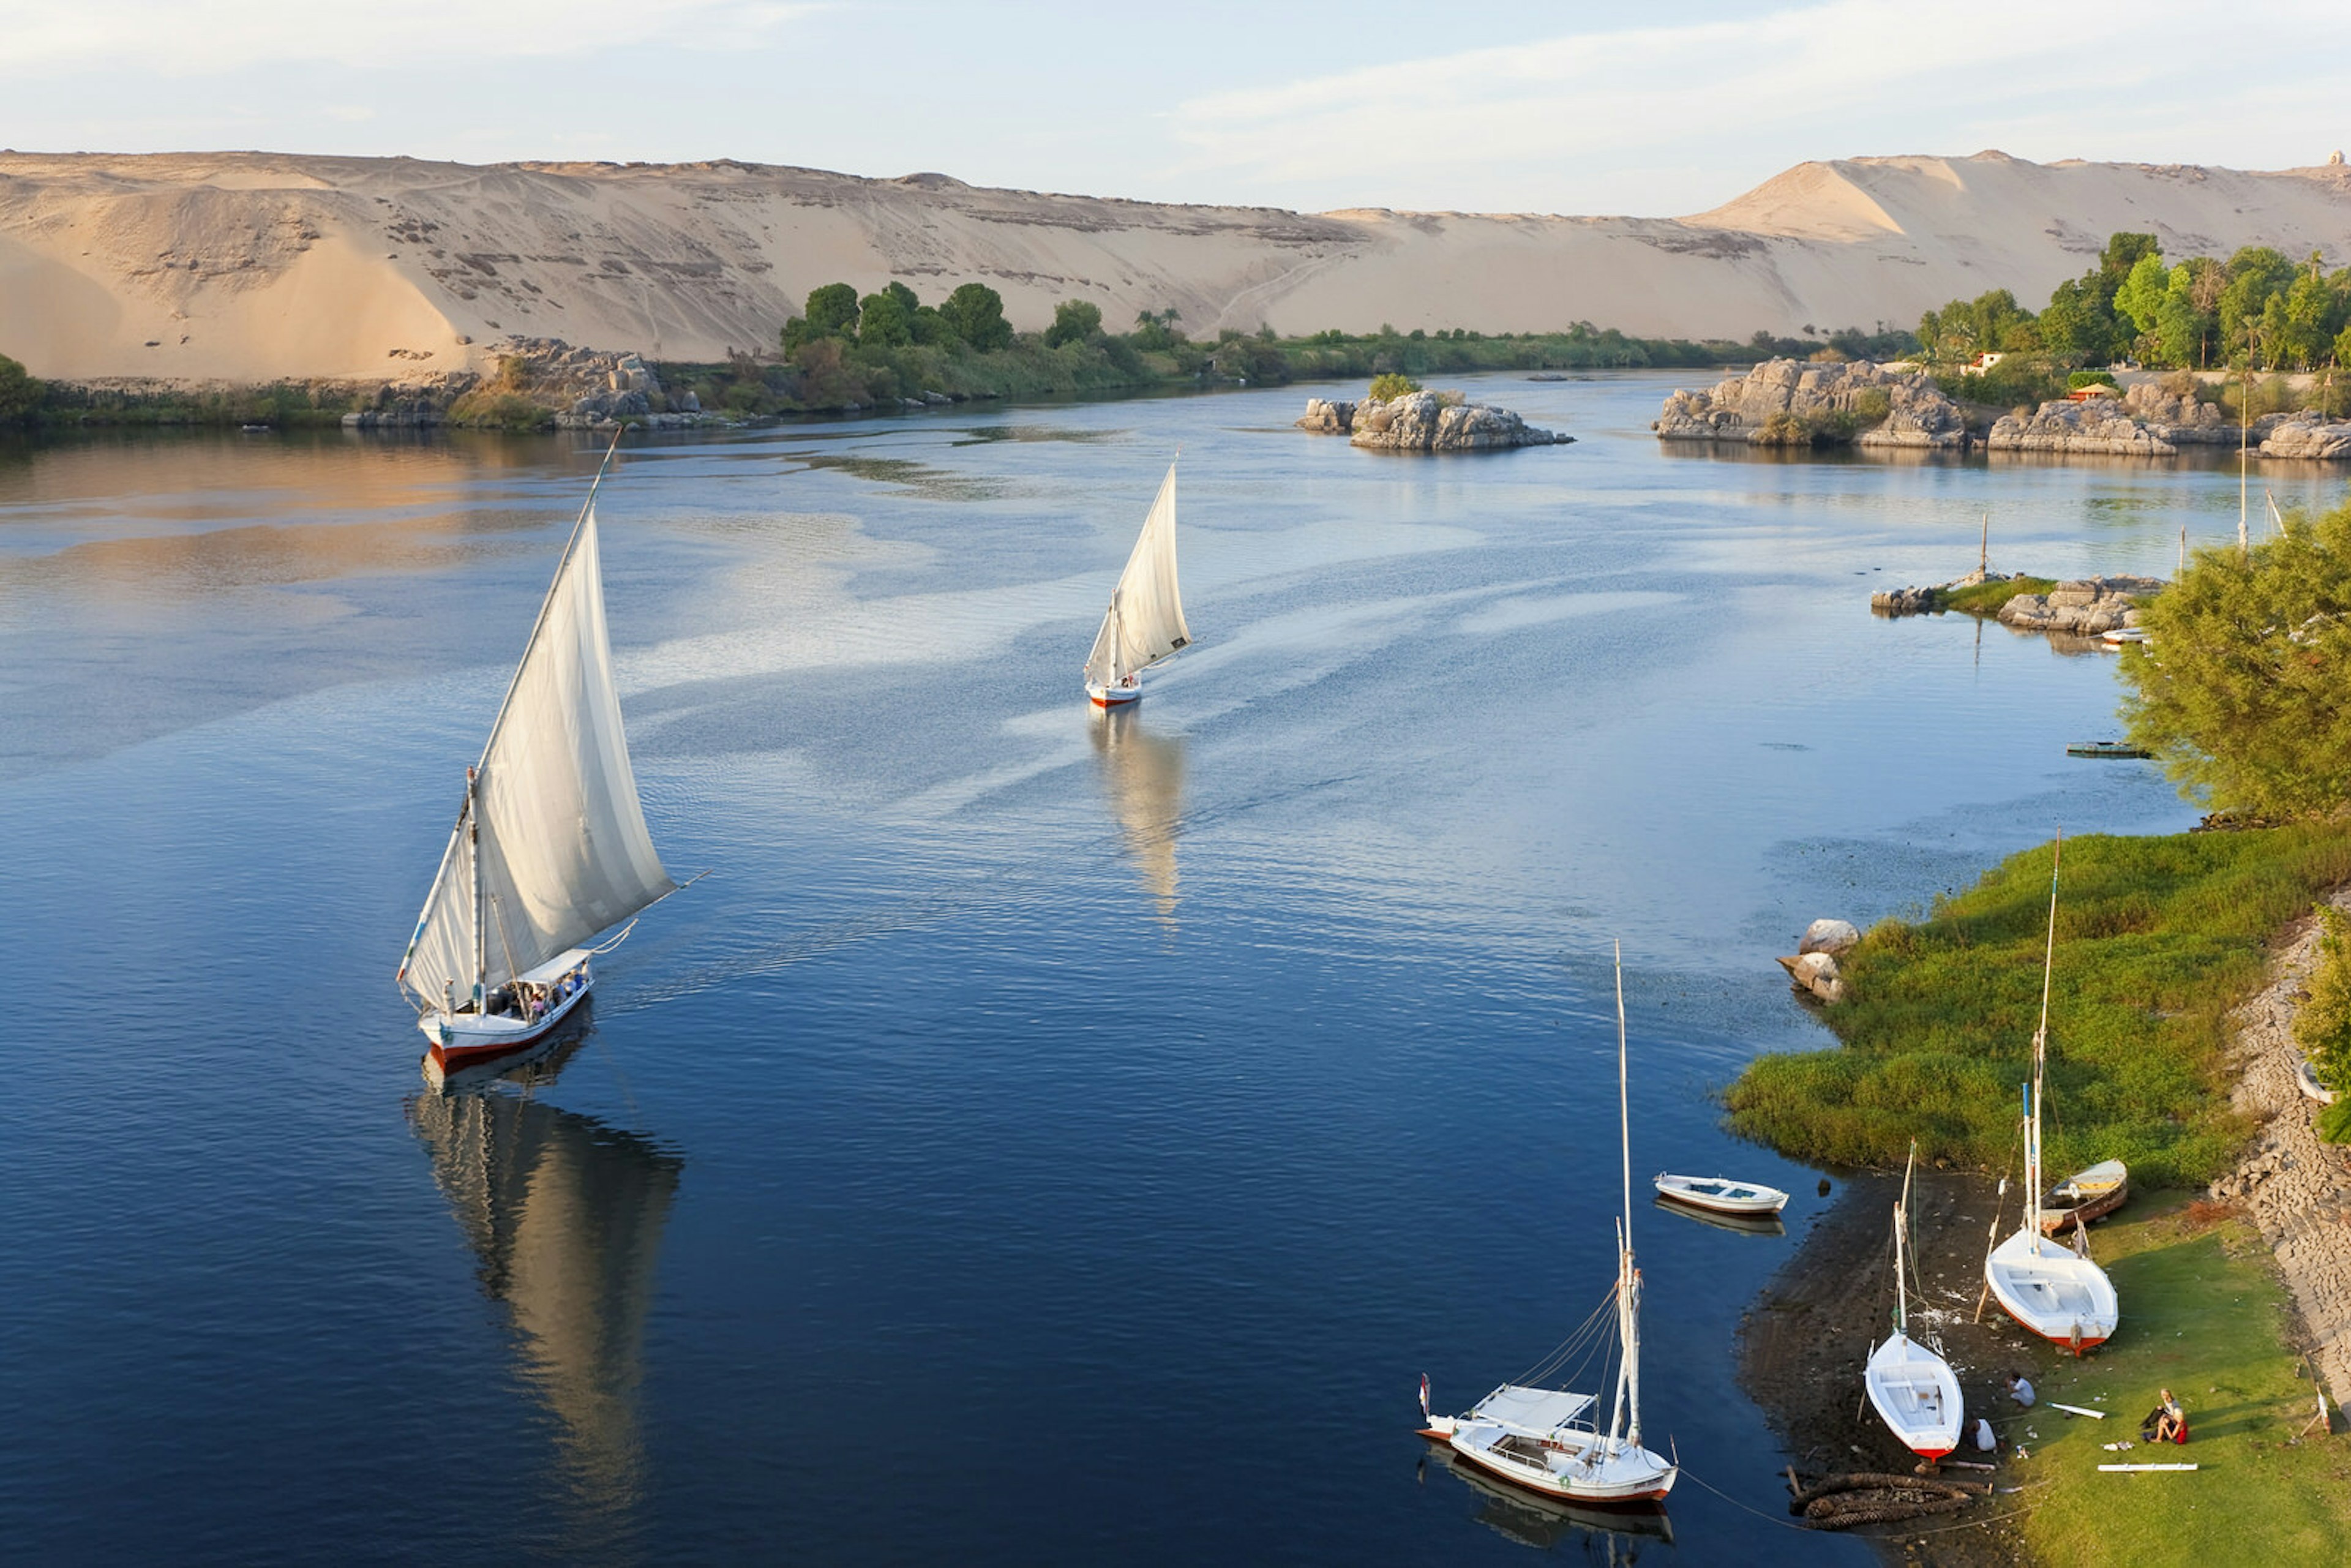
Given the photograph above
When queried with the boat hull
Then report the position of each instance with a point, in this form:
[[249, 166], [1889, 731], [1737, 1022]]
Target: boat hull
[[1644, 1483], [461, 1041], [1748, 1199], [2053, 1291], [1918, 1396], [1113, 696]]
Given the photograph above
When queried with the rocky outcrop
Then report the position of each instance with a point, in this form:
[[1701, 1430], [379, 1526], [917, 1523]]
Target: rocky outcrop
[[2083, 608], [1835, 937], [1815, 975], [1425, 421], [2308, 436], [2095, 425], [1925, 600], [1790, 401], [2297, 1188], [2187, 422]]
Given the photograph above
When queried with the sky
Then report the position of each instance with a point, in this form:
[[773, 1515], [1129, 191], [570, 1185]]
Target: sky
[[1499, 106]]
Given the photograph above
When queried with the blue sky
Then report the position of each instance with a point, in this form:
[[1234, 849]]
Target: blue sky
[[1499, 106]]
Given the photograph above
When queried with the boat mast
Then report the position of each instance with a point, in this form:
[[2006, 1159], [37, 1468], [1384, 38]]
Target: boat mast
[[1901, 1222], [1626, 1420], [481, 918], [2041, 1059]]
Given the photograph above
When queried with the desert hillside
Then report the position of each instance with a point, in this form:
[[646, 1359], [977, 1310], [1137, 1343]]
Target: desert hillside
[[255, 266]]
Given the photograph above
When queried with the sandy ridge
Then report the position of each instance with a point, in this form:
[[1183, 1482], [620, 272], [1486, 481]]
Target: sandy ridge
[[246, 267]]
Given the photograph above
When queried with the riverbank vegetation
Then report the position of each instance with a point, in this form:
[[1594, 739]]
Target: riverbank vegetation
[[2158, 939]]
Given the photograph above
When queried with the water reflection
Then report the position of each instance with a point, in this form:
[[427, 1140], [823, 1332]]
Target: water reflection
[[1742, 1224], [1605, 1534], [1143, 774], [564, 1214]]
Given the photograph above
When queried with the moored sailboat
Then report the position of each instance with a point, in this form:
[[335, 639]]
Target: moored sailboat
[[1546, 1439], [1144, 624], [550, 850], [1915, 1391], [2046, 1285]]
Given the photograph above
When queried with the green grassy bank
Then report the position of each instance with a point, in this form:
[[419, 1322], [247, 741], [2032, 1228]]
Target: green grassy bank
[[2205, 1316], [2158, 939]]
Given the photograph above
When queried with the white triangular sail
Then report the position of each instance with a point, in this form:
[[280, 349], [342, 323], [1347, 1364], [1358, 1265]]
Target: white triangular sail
[[553, 848], [1144, 623]]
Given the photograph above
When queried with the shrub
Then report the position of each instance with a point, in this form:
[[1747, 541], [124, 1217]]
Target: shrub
[[1074, 321], [2080, 379], [1389, 385], [2323, 1026]]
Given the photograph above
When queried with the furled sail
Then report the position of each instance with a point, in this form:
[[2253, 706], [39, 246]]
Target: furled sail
[[557, 828], [1145, 622]]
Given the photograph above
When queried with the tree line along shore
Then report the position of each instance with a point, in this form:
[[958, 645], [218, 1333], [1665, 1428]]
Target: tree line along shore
[[847, 353]]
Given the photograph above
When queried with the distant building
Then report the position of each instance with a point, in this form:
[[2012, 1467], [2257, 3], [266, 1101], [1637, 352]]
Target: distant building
[[1986, 360]]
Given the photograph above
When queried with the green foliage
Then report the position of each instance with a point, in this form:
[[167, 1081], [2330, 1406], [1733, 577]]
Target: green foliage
[[1985, 598], [1965, 327], [1154, 331], [1391, 385], [2156, 939], [2203, 1312], [883, 321], [20, 395], [2080, 379], [975, 313], [489, 408], [831, 311], [2239, 694], [1074, 321], [2322, 1025]]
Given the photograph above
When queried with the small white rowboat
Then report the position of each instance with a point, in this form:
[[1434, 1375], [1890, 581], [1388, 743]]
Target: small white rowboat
[[1722, 1195]]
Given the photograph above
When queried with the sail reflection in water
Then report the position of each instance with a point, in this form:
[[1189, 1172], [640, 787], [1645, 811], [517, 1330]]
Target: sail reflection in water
[[1143, 774], [565, 1214], [1605, 1534]]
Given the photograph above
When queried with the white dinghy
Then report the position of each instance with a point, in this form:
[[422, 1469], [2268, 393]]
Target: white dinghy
[[2043, 1283], [1915, 1391], [1144, 624], [1722, 1195], [1545, 1439], [551, 848]]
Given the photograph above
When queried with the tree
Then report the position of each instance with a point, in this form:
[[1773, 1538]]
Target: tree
[[1155, 329], [831, 311], [883, 322], [903, 294], [975, 313], [2124, 251], [2078, 327], [2255, 273], [2239, 690], [2139, 298], [20, 394], [1074, 321]]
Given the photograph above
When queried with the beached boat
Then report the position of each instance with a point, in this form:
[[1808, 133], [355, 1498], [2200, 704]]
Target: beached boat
[[1144, 624], [2104, 749], [1548, 1441], [550, 850], [1722, 1195], [2307, 1080], [2117, 636], [2085, 1195], [1915, 1391], [2047, 1286]]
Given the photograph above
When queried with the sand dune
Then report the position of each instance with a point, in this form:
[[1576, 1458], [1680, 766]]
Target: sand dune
[[250, 265]]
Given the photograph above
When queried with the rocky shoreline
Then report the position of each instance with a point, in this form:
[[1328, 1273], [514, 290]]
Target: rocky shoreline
[[2296, 1187], [1425, 421], [2082, 607]]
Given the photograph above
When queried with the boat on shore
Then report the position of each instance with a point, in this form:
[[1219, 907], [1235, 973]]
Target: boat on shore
[[2046, 1285], [550, 850], [1548, 1441], [2085, 1195], [1722, 1195], [2307, 1080], [1912, 1388], [1144, 624], [2106, 748]]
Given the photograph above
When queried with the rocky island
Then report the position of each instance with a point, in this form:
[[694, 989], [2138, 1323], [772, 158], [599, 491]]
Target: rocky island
[[1425, 421], [1789, 402]]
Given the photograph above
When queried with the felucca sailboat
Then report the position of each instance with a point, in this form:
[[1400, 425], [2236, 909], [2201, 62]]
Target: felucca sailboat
[[1144, 624], [2043, 1283], [1915, 1391], [551, 848], [1545, 1439]]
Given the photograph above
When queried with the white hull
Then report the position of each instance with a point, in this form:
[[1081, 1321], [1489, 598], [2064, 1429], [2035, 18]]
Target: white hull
[[1591, 1470], [461, 1039], [2053, 1291], [1723, 1195], [1917, 1395], [1113, 696]]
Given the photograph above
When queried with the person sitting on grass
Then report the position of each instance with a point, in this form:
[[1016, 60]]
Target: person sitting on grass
[[2166, 1422]]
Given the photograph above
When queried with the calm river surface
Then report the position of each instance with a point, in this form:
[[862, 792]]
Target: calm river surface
[[1040, 1138]]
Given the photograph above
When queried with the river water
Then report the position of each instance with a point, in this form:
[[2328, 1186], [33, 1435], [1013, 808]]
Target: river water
[[1041, 1137]]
